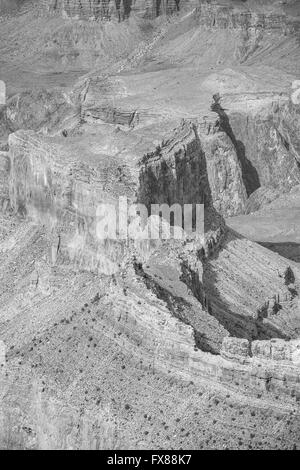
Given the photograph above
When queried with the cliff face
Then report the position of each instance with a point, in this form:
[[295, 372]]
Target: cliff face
[[254, 22], [225, 173], [176, 171], [251, 155], [51, 182], [121, 9], [206, 170], [239, 16], [268, 149]]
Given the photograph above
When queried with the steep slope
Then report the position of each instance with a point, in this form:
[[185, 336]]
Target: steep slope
[[74, 340]]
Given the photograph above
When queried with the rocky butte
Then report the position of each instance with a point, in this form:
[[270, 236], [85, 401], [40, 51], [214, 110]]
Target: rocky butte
[[190, 343]]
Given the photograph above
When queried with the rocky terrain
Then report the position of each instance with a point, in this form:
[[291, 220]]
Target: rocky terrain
[[114, 343]]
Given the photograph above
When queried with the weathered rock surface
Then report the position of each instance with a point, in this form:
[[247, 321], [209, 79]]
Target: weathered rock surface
[[267, 148], [235, 349], [49, 112], [190, 343]]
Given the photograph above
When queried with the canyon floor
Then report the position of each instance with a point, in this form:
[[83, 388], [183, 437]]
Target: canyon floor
[[190, 343]]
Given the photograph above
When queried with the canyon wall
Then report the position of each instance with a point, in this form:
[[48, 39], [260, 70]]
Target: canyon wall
[[211, 15], [84, 318], [247, 155], [51, 184], [274, 363], [49, 175], [209, 158], [121, 9], [267, 144], [230, 16], [201, 168], [173, 172]]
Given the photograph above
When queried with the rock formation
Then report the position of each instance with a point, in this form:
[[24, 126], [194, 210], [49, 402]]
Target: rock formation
[[115, 342]]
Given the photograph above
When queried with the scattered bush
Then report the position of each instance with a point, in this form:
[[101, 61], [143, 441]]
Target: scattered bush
[[289, 277]]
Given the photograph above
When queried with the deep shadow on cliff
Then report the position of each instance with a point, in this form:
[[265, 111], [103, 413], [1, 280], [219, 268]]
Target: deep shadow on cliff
[[249, 172]]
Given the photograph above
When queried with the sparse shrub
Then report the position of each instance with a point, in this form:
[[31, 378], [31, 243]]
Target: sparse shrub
[[289, 277], [276, 307], [262, 312], [96, 298], [293, 292]]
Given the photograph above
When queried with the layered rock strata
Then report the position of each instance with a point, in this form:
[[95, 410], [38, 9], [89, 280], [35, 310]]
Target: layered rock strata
[[121, 9]]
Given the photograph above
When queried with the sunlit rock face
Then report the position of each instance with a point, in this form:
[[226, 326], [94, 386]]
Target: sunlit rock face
[[52, 186]]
